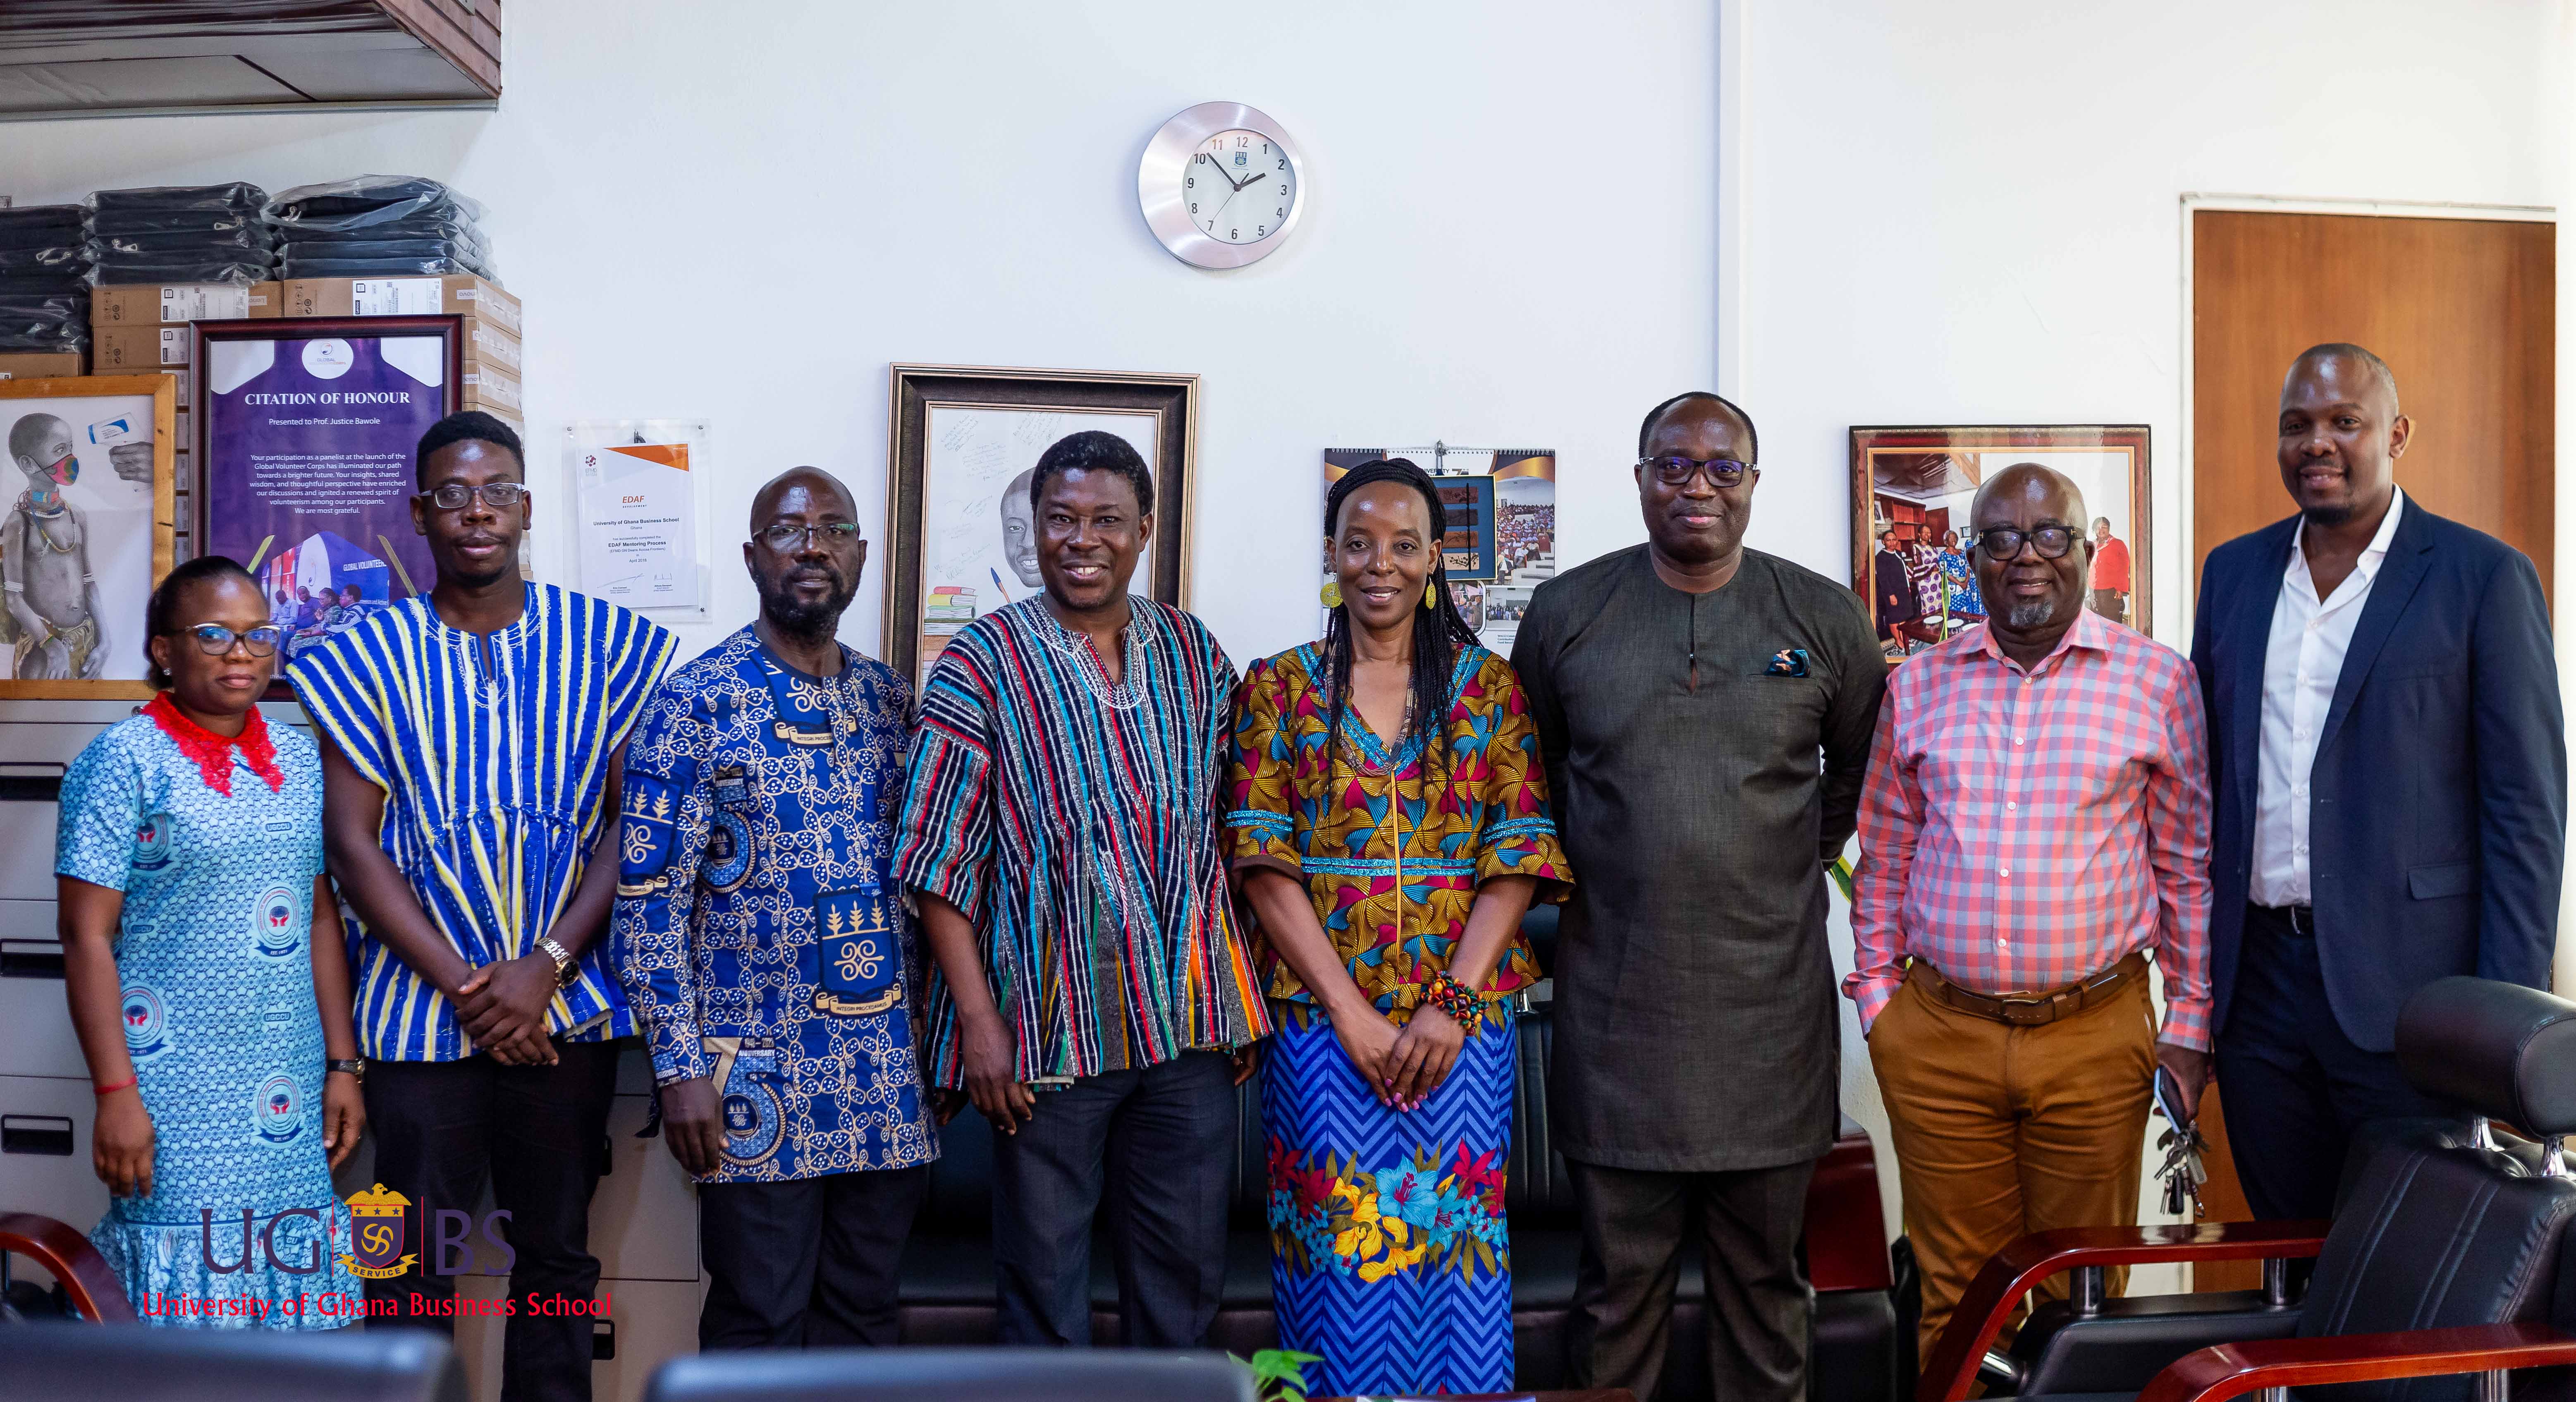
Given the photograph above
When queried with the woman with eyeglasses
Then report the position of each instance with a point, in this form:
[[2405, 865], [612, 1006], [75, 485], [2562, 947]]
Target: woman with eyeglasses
[[208, 981], [1389, 826]]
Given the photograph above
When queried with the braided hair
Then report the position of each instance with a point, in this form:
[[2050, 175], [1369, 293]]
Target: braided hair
[[1438, 631]]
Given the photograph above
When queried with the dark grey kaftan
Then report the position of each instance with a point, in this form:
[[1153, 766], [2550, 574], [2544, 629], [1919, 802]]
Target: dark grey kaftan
[[1696, 1016]]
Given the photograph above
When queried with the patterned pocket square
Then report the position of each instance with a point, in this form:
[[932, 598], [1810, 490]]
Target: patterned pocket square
[[1788, 662]]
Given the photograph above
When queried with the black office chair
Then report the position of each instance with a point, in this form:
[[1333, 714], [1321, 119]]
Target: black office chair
[[952, 1375], [2443, 1261], [60, 1362]]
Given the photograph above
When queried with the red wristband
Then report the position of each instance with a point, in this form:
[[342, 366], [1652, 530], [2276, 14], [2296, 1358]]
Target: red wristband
[[125, 1084]]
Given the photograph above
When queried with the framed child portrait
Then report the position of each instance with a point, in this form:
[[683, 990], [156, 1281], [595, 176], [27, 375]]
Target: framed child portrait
[[89, 530]]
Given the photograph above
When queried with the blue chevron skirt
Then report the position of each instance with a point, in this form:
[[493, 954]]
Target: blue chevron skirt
[[1389, 1254]]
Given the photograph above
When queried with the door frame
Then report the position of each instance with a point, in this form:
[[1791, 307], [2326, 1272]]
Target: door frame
[[2193, 202]]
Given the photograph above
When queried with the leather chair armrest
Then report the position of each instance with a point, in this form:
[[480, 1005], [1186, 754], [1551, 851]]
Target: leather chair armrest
[[2215, 1374], [68, 1257], [1951, 1371]]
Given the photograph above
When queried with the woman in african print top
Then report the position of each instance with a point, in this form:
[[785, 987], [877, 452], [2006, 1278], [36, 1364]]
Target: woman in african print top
[[1389, 827], [209, 982]]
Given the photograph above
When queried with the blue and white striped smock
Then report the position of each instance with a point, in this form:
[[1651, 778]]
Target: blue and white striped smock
[[493, 783]]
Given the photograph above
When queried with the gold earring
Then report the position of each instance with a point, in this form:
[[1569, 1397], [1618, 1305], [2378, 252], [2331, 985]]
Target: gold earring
[[1331, 594], [1431, 596]]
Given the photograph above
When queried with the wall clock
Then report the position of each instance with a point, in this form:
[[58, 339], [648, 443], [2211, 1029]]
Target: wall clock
[[1221, 185]]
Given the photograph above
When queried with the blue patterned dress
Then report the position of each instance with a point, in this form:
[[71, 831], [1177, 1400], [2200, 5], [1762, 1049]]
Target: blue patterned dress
[[1390, 1255], [758, 930], [216, 972]]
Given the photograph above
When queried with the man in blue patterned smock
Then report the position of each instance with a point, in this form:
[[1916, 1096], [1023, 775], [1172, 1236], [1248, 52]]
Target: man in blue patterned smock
[[761, 937], [470, 740]]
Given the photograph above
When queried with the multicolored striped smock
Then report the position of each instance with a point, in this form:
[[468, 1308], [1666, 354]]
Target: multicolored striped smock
[[493, 752], [1075, 823]]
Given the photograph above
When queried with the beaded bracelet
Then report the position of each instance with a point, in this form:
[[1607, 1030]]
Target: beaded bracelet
[[1456, 999]]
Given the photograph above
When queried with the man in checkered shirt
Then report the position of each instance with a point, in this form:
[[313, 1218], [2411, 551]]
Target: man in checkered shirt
[[2036, 818]]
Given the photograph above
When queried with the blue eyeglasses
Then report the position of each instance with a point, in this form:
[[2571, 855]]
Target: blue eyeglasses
[[214, 639]]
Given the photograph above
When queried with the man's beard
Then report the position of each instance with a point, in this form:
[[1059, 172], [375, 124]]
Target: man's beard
[[2329, 516], [2031, 613], [814, 621]]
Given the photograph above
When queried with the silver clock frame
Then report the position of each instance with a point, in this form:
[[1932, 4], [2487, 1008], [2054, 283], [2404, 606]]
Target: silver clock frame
[[1164, 200]]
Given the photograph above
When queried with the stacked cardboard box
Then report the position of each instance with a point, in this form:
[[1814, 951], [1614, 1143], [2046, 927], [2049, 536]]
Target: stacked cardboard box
[[491, 349]]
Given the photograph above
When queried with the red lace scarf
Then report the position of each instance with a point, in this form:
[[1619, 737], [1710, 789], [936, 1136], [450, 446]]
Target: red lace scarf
[[214, 753]]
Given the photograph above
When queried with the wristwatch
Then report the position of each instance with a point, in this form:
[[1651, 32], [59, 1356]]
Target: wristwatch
[[354, 1069], [565, 970]]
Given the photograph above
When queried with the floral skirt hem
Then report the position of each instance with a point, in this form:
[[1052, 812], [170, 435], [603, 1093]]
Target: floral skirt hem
[[1390, 1257], [166, 1277]]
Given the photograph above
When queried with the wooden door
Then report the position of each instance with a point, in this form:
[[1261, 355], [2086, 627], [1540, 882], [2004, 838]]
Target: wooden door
[[2463, 310]]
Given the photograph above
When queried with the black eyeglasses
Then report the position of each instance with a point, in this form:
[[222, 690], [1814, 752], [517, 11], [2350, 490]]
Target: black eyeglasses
[[452, 496], [214, 639], [1677, 472], [786, 537], [2004, 542]]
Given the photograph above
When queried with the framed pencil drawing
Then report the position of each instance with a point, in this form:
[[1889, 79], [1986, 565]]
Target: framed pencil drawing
[[961, 532], [88, 533], [1912, 539]]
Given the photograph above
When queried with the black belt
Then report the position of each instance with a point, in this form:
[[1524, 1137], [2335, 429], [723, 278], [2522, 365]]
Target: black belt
[[2301, 919]]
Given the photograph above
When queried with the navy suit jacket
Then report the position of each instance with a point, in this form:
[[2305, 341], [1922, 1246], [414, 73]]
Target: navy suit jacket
[[2438, 804]]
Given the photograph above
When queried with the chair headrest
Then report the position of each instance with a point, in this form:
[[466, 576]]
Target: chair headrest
[[2494, 1049]]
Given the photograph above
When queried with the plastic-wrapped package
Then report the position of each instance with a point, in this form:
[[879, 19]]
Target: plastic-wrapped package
[[164, 248], [394, 253], [374, 267], [172, 221], [366, 202], [250, 267], [235, 196], [443, 227], [46, 284], [41, 225], [44, 323], [72, 258]]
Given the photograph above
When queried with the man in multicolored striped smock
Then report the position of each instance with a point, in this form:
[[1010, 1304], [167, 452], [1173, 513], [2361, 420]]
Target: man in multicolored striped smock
[[471, 772], [1060, 834]]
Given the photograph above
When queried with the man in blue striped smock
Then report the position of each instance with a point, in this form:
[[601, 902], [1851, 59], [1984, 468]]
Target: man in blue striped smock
[[470, 742], [1060, 833]]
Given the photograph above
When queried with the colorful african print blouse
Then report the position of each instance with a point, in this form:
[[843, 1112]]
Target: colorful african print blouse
[[1355, 822], [493, 771], [1074, 822], [758, 930]]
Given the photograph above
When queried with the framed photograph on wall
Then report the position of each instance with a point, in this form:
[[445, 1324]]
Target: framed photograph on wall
[[1912, 489], [961, 536], [89, 530], [304, 433]]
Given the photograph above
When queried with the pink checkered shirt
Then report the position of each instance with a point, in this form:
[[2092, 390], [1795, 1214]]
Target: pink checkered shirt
[[2022, 831]]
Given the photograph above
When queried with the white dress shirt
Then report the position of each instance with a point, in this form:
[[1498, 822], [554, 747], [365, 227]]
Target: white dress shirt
[[2300, 669]]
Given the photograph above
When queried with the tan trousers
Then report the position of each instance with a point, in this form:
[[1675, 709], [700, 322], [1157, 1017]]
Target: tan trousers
[[2002, 1131]]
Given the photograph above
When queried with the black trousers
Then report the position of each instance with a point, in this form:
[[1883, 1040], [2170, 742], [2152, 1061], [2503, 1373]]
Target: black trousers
[[1759, 1307], [2296, 1087], [1156, 1148], [807, 1263], [539, 1136]]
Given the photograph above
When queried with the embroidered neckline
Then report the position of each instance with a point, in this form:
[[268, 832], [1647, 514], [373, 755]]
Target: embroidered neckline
[[214, 753]]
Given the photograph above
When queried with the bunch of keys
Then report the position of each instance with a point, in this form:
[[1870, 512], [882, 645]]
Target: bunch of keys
[[2182, 1172], [2183, 1146]]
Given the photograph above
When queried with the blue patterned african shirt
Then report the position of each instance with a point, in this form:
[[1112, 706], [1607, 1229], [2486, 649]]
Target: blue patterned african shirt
[[493, 754], [758, 931]]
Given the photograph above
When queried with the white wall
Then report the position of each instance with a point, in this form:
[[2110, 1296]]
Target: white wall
[[748, 213], [1970, 212]]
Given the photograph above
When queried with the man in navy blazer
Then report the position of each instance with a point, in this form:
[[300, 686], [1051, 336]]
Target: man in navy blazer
[[2390, 778]]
